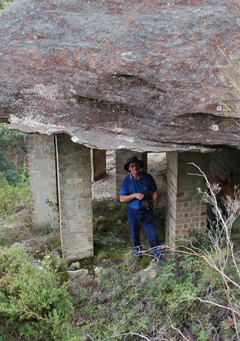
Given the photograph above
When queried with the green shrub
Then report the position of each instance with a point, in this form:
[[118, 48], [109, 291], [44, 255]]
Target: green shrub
[[13, 199], [32, 304], [9, 236], [127, 302], [11, 176], [3, 180], [24, 173], [12, 147], [4, 163]]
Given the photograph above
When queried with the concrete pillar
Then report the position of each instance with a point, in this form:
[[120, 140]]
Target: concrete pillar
[[42, 177], [186, 212], [98, 164], [75, 198], [121, 158]]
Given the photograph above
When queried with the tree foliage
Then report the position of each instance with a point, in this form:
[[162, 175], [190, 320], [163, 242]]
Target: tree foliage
[[14, 138], [14, 180], [13, 147]]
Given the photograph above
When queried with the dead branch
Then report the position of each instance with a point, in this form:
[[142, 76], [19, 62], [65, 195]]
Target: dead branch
[[190, 298], [177, 330], [130, 333]]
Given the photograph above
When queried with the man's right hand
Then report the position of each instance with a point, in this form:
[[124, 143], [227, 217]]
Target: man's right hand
[[139, 196], [130, 197]]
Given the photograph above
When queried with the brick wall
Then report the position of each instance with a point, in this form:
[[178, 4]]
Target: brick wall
[[74, 169], [186, 212], [42, 176], [121, 159]]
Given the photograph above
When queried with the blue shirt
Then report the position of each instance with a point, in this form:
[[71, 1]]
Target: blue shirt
[[146, 185]]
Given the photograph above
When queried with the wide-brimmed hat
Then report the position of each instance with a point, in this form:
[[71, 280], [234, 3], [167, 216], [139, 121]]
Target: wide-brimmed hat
[[133, 159]]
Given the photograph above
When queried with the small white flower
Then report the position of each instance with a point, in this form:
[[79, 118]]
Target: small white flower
[[219, 108]]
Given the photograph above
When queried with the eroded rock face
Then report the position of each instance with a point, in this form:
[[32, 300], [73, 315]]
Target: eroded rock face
[[140, 75]]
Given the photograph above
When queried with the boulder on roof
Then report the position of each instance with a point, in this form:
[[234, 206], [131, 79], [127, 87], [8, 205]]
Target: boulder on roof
[[139, 75]]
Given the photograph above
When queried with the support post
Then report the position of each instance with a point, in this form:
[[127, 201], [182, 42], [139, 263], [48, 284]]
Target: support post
[[42, 178], [75, 199], [186, 212]]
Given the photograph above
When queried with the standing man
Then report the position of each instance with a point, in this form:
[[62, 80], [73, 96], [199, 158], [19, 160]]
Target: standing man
[[135, 187]]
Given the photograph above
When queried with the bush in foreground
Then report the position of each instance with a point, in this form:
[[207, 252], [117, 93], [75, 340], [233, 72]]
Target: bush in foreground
[[32, 304], [128, 302]]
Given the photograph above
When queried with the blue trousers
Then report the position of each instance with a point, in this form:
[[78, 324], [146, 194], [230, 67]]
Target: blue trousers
[[135, 218]]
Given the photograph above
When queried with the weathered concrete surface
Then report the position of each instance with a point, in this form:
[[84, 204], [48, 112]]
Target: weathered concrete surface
[[138, 74]]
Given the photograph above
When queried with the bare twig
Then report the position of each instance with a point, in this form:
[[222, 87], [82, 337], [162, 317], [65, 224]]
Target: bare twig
[[231, 307], [223, 226], [4, 273], [177, 330], [212, 264], [16, 334], [28, 311], [190, 298], [130, 333], [91, 337], [233, 209]]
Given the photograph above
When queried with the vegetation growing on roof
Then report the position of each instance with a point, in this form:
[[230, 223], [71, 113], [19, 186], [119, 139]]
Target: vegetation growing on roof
[[5, 3]]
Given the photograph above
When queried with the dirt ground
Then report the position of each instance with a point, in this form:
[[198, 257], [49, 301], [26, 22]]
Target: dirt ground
[[105, 189]]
